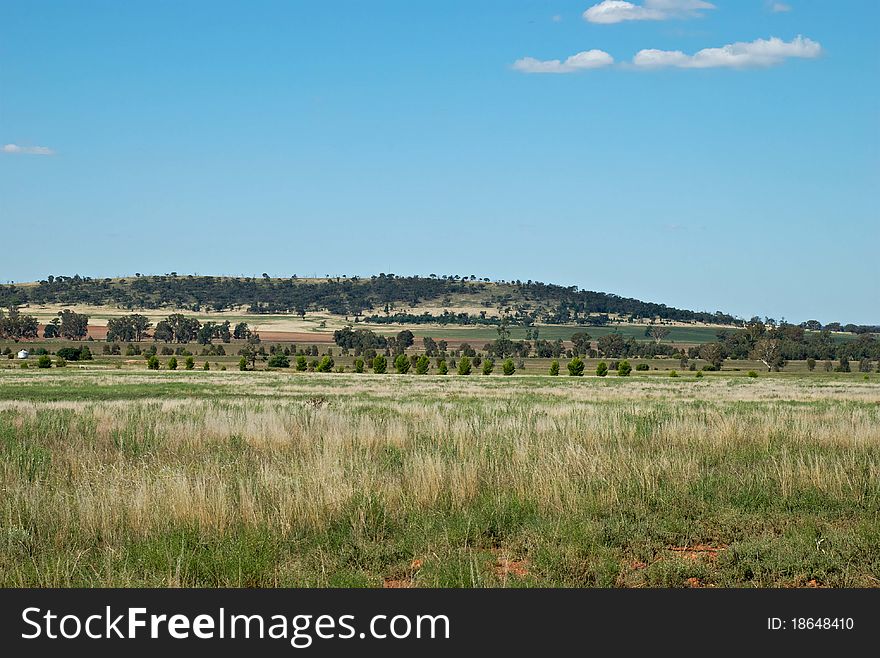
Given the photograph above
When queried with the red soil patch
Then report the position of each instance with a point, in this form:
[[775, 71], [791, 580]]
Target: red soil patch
[[505, 567], [94, 332], [98, 333], [697, 551], [404, 583]]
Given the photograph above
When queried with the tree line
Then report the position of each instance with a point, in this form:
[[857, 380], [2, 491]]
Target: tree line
[[775, 345], [16, 325]]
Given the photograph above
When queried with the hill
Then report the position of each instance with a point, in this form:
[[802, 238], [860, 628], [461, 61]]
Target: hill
[[384, 298]]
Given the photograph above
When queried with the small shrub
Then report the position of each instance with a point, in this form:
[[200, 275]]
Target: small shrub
[[554, 368], [642, 367], [153, 362], [45, 361], [207, 366], [358, 365], [278, 360], [442, 369], [752, 374], [190, 363], [301, 363], [380, 365], [811, 364], [576, 367], [85, 354], [699, 374], [423, 364], [68, 353], [602, 369], [488, 366], [402, 364], [464, 366], [508, 368], [172, 363], [242, 364], [60, 363], [673, 373], [624, 368], [24, 366], [325, 365]]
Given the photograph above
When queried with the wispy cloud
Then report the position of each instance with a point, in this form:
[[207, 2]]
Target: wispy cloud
[[752, 54], [583, 61], [617, 11], [779, 7], [27, 150]]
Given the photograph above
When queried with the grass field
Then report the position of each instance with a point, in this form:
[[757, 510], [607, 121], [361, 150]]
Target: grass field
[[483, 334], [136, 478]]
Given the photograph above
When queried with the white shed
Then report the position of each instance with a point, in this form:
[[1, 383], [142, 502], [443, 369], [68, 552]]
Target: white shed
[[23, 354]]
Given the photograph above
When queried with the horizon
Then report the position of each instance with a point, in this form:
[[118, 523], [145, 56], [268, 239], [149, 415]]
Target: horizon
[[706, 156]]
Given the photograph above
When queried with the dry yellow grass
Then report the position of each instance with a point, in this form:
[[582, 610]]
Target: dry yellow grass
[[101, 491]]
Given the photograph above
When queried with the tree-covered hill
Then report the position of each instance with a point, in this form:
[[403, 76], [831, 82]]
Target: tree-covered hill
[[377, 298]]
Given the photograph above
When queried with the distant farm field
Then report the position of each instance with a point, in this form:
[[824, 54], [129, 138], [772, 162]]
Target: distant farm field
[[244, 479]]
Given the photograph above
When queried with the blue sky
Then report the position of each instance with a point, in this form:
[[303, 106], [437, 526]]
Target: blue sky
[[411, 137]]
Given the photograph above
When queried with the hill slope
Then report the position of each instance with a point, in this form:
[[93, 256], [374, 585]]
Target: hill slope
[[382, 298]]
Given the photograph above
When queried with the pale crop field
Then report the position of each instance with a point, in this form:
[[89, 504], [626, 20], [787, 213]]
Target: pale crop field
[[251, 479]]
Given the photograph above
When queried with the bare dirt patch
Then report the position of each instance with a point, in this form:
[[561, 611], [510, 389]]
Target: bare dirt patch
[[404, 582], [504, 567], [698, 551]]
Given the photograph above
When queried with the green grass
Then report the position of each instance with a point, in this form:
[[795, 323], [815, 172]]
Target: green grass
[[136, 478], [483, 334]]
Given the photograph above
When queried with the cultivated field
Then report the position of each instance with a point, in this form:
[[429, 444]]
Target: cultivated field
[[136, 478], [318, 327]]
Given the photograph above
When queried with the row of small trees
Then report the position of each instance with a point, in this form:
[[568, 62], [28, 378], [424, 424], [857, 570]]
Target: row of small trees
[[576, 368], [403, 364]]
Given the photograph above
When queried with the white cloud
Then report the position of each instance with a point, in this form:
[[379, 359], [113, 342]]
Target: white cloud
[[779, 7], [557, 18], [753, 54], [617, 11], [27, 150], [588, 59]]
